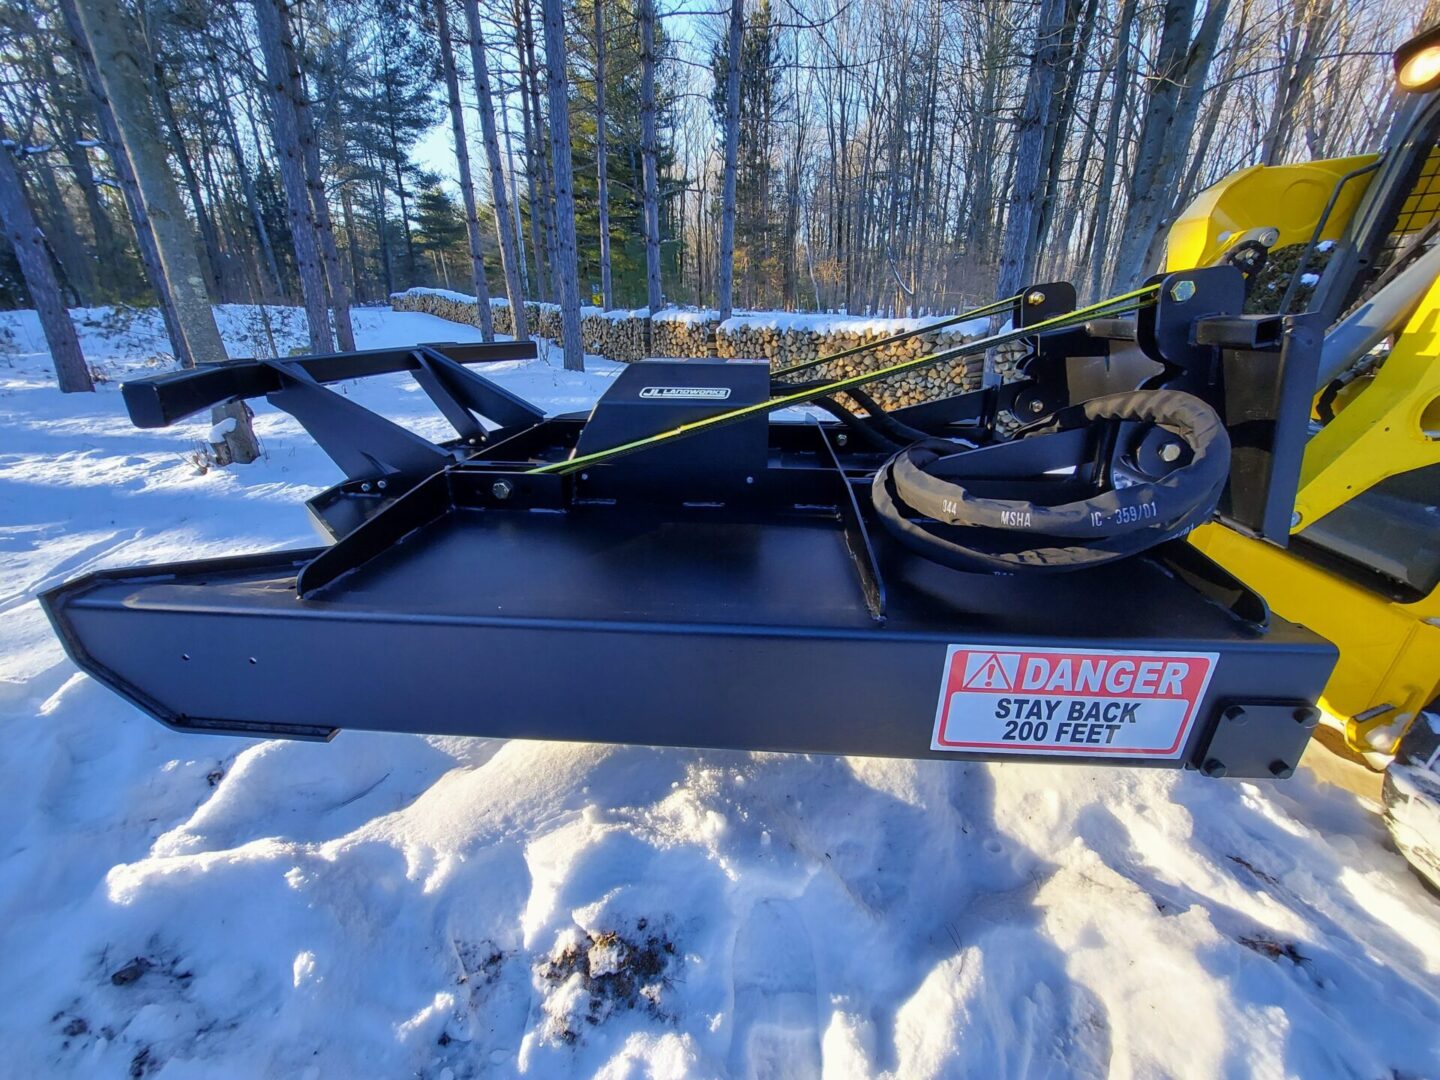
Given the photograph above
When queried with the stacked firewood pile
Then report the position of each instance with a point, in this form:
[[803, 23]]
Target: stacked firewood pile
[[619, 335], [683, 333], [782, 340], [792, 341], [457, 307]]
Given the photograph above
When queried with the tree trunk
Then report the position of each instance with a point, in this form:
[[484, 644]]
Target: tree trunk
[[531, 140], [214, 260], [542, 159], [645, 13], [29, 245], [511, 260], [1166, 180], [607, 298], [567, 273], [514, 192], [108, 252], [1018, 248], [734, 58], [247, 183], [1147, 203], [285, 129], [129, 187], [1100, 259], [467, 183], [315, 183], [117, 49]]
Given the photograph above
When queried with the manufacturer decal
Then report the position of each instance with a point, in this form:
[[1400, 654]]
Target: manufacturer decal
[[1086, 702], [686, 393]]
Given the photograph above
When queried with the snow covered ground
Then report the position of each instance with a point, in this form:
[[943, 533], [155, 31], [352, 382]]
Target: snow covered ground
[[398, 906]]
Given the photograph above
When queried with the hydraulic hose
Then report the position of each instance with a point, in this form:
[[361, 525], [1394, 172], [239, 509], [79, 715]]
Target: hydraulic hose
[[939, 518]]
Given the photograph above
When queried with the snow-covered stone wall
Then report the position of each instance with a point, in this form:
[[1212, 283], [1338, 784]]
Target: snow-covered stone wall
[[782, 338]]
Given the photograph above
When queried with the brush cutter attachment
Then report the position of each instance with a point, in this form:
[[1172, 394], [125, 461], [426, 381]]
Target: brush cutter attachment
[[683, 567]]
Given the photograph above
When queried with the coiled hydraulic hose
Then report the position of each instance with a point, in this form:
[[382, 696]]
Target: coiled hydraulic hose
[[936, 516]]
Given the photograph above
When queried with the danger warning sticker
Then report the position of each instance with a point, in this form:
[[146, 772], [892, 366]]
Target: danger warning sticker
[[1088, 702]]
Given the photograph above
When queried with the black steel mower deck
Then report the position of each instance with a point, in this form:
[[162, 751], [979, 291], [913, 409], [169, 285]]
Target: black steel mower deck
[[730, 590], [642, 624]]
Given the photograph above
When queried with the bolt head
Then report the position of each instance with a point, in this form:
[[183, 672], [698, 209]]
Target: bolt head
[[380, 484], [1281, 770], [1035, 297], [842, 439], [1307, 717], [1182, 290], [1235, 714], [1269, 236], [1295, 518], [501, 489], [1170, 452], [1214, 768], [365, 486], [1037, 406]]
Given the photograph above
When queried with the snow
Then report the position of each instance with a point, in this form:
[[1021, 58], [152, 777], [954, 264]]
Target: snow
[[821, 323], [686, 316], [386, 905]]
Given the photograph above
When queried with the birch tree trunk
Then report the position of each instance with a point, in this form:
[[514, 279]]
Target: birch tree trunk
[[607, 298], [116, 47], [292, 174], [467, 183], [511, 260], [28, 243], [734, 58], [315, 184], [645, 15], [567, 273]]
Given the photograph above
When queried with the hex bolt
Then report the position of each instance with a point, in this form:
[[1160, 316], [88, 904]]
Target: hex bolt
[[1235, 714], [365, 486], [380, 484], [1214, 768], [501, 489], [1182, 290], [1035, 298], [1170, 451], [841, 439], [1281, 770], [1307, 717], [1037, 406]]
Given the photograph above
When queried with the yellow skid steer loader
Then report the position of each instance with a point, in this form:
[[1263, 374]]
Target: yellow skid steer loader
[[1363, 561]]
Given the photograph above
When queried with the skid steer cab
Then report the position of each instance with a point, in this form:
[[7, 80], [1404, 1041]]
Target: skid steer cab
[[725, 554], [1362, 562]]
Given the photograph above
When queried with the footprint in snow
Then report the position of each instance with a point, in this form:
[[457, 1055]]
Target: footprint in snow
[[776, 1028]]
